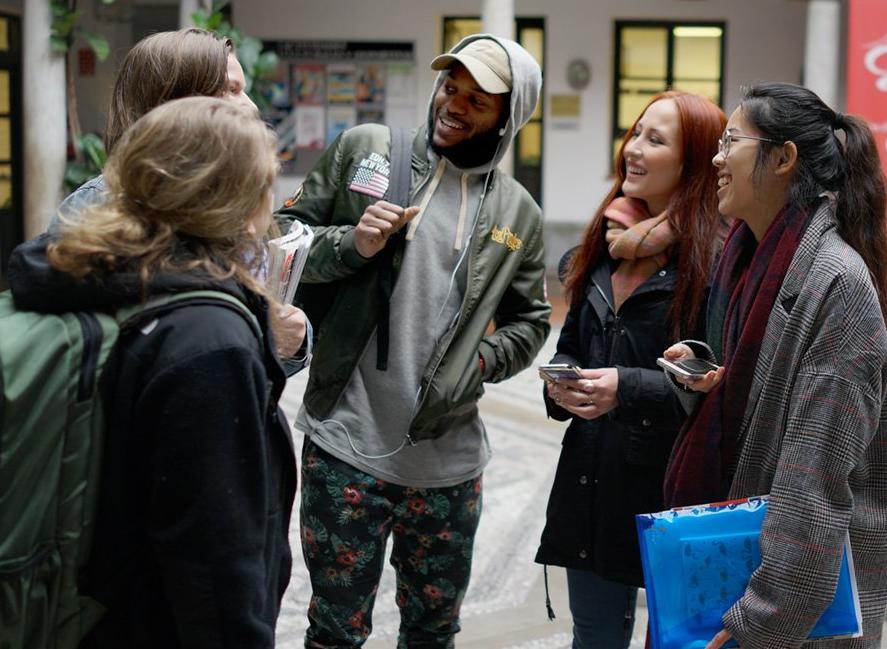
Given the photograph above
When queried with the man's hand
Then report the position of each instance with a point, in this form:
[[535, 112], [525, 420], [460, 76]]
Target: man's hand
[[680, 352], [290, 325], [591, 396], [380, 221]]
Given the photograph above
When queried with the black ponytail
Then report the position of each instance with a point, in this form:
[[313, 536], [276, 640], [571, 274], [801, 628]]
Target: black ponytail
[[847, 166], [862, 204]]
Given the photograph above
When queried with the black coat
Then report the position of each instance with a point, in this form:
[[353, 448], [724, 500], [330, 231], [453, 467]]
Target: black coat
[[198, 474], [612, 467]]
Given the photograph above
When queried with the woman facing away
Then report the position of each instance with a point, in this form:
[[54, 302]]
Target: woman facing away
[[796, 411], [638, 278], [169, 65], [198, 472]]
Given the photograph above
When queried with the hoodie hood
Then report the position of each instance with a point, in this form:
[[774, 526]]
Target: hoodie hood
[[37, 286], [526, 85]]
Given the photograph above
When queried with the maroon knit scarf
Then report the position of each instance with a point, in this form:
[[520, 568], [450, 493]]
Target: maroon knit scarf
[[743, 294]]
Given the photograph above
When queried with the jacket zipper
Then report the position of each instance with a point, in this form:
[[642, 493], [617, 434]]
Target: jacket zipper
[[617, 331], [92, 345], [451, 332]]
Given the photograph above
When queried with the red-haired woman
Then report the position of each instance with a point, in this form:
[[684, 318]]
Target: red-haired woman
[[637, 280]]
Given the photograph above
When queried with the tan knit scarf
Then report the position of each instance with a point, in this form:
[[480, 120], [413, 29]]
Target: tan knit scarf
[[639, 240]]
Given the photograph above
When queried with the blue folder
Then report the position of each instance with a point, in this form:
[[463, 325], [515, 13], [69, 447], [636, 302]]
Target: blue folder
[[697, 563]]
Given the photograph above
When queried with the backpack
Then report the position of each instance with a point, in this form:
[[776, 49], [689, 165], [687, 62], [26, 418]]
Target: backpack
[[51, 437]]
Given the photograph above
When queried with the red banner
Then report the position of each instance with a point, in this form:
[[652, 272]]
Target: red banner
[[867, 67]]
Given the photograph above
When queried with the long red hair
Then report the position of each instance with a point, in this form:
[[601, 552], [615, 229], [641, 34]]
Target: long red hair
[[692, 212]]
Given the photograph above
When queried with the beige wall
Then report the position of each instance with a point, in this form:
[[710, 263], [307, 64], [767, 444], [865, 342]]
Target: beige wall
[[765, 40]]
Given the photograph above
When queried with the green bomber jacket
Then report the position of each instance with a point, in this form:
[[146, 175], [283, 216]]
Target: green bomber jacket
[[505, 285]]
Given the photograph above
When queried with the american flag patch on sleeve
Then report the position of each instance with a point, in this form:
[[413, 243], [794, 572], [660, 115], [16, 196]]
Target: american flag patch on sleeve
[[371, 177]]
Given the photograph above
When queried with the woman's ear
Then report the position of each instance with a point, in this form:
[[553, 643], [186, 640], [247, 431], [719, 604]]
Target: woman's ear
[[786, 158]]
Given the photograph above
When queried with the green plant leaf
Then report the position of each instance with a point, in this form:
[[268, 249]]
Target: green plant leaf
[[58, 43], [59, 8], [94, 150], [267, 63], [97, 43], [200, 19], [213, 22], [64, 25], [218, 5]]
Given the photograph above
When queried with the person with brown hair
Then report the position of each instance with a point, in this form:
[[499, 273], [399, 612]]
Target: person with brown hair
[[639, 276], [797, 408], [160, 67], [198, 472], [165, 66]]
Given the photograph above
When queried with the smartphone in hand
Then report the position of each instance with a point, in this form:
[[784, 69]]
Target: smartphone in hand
[[687, 368], [559, 371]]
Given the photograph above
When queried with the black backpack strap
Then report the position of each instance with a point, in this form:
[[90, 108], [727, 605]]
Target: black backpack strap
[[134, 315], [399, 194]]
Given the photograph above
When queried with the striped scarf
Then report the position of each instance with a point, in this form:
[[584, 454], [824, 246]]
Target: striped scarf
[[743, 293], [639, 240]]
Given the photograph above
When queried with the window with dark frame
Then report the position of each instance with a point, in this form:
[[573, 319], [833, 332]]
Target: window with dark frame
[[528, 145], [11, 165], [652, 56]]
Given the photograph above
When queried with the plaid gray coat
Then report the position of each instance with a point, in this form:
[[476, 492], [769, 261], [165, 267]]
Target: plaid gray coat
[[814, 436]]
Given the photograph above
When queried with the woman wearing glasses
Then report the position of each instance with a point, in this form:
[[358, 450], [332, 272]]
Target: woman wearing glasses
[[638, 279], [795, 317]]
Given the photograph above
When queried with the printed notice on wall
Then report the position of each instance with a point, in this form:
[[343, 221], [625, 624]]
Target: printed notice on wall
[[310, 127]]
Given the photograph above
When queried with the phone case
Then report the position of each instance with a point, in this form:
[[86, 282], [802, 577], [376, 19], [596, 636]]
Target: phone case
[[555, 373], [677, 370]]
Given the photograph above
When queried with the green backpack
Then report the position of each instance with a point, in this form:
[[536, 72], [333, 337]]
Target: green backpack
[[51, 438]]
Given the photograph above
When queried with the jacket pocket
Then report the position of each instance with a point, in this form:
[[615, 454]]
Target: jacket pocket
[[469, 387], [647, 445]]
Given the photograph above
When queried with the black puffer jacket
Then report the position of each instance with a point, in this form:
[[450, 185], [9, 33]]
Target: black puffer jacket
[[198, 474], [611, 468]]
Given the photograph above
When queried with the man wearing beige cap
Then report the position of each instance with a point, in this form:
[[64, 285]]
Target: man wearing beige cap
[[403, 294]]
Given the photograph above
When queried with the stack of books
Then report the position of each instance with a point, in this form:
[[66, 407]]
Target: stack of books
[[286, 260]]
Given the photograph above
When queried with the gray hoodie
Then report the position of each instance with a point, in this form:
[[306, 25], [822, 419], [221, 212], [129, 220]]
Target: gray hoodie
[[368, 427]]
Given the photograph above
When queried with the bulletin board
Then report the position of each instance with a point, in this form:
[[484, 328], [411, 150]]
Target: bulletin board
[[321, 88]]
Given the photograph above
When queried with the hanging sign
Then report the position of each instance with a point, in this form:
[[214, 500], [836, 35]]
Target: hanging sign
[[867, 67]]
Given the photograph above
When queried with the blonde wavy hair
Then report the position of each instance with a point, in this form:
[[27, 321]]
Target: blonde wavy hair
[[187, 184]]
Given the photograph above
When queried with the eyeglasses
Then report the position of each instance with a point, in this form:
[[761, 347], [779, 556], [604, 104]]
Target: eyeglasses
[[729, 136]]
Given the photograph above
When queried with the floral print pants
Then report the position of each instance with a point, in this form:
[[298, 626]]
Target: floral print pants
[[346, 519]]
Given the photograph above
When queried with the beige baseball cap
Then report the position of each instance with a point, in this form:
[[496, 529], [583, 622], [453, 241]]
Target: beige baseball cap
[[486, 60]]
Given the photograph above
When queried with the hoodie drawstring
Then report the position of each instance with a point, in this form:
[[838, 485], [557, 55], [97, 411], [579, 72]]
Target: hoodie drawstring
[[432, 187], [463, 211]]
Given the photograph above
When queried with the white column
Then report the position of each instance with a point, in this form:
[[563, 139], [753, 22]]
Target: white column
[[822, 55], [186, 8], [45, 135], [498, 19]]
